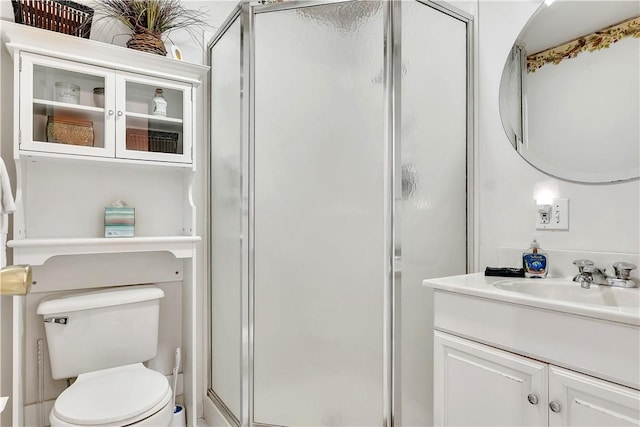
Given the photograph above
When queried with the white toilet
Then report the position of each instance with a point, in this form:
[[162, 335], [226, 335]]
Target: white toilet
[[102, 338]]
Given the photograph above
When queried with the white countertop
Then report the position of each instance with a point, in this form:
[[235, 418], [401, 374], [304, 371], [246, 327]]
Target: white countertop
[[479, 285]]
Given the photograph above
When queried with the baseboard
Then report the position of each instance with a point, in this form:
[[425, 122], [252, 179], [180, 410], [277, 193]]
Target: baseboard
[[31, 412]]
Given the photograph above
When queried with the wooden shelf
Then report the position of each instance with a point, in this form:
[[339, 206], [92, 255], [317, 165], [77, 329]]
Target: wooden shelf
[[38, 251]]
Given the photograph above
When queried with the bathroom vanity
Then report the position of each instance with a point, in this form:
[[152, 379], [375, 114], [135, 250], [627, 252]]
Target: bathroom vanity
[[535, 352]]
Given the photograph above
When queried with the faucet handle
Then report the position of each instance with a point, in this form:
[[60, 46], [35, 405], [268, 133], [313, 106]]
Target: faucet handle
[[623, 269], [582, 263]]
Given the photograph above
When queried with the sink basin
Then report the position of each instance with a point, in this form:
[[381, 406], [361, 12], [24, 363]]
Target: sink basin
[[569, 291]]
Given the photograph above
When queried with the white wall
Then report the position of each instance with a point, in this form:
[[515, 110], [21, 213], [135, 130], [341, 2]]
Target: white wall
[[603, 218]]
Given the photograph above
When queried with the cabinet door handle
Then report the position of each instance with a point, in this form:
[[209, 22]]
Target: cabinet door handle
[[119, 113], [533, 399], [111, 112], [554, 406]]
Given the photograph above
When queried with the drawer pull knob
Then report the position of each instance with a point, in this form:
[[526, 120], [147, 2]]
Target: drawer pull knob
[[533, 399], [554, 406]]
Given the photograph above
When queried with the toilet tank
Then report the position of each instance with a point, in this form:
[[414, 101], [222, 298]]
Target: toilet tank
[[98, 330]]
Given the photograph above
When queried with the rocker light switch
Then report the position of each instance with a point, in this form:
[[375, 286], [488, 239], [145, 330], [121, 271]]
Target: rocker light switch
[[554, 216]]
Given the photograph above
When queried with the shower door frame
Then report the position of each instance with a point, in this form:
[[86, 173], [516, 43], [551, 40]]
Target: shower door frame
[[245, 11]]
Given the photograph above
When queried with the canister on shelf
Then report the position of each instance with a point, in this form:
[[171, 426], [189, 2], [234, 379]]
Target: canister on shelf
[[67, 92], [98, 96]]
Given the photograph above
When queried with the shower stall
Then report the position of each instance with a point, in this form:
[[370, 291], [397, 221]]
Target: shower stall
[[339, 181]]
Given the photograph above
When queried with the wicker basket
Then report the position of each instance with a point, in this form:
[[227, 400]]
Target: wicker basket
[[61, 16], [137, 139], [69, 131], [152, 140], [147, 41]]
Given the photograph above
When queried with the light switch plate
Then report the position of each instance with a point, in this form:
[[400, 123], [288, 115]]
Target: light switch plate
[[559, 217]]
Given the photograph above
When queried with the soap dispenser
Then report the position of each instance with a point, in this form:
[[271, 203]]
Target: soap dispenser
[[534, 261]]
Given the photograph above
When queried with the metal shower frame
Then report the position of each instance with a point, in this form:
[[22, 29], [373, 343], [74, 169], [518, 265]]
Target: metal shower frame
[[245, 11]]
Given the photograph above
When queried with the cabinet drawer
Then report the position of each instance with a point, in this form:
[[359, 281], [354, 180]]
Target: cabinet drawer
[[599, 348]]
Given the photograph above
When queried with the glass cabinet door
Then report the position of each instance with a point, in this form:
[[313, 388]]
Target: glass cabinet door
[[153, 119], [66, 107]]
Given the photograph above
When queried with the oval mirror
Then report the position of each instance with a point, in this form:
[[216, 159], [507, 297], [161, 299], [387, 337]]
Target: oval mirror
[[570, 90]]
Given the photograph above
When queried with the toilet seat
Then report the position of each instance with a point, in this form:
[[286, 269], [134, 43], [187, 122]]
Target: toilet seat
[[114, 397]]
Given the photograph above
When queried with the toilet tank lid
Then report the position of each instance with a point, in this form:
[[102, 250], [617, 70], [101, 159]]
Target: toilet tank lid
[[99, 299]]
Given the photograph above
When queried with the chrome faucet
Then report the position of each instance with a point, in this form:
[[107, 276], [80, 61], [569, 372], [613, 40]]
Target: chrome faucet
[[589, 274]]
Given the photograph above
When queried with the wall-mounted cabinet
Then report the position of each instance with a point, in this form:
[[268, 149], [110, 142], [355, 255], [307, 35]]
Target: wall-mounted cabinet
[[97, 124], [74, 108]]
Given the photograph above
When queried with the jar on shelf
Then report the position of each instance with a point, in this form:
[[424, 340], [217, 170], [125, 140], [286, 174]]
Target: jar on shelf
[[98, 96], [67, 92], [159, 104]]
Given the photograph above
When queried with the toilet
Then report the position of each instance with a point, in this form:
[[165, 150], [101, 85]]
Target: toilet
[[102, 338]]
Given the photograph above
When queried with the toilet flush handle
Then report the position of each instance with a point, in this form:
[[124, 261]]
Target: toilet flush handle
[[60, 320]]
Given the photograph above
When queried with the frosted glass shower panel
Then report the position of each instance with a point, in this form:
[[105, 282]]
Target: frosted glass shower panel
[[432, 201], [226, 328], [319, 205]]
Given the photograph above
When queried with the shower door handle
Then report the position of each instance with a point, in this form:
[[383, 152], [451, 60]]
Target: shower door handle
[[397, 264]]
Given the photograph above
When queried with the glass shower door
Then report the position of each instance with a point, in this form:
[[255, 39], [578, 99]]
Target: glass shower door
[[431, 206], [319, 216], [226, 220]]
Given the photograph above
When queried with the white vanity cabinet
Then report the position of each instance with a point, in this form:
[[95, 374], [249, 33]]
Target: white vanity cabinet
[[506, 358], [75, 108], [479, 385]]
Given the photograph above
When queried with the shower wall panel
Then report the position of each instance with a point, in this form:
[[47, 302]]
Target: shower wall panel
[[319, 261], [226, 219]]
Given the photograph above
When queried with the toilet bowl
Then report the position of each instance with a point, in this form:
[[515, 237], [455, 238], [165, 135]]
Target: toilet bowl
[[122, 396], [102, 338]]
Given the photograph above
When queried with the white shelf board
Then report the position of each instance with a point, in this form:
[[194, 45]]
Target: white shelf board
[[58, 157], [38, 251], [155, 118], [66, 105]]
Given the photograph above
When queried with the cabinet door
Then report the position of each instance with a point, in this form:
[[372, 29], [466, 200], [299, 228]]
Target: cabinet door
[[580, 400], [142, 133], [66, 107], [478, 385]]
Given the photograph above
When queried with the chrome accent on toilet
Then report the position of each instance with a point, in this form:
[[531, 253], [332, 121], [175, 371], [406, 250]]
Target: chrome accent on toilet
[[60, 320]]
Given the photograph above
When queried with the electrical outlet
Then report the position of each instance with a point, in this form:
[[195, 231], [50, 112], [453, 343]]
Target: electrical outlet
[[554, 216]]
